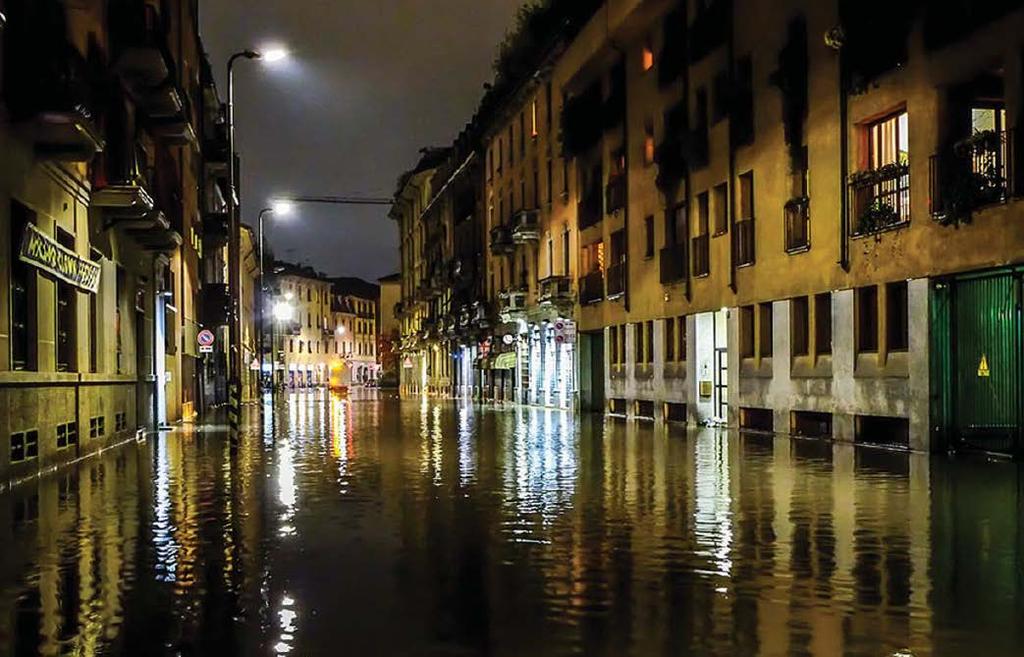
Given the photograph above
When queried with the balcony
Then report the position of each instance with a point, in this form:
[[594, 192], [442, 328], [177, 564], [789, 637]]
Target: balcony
[[616, 280], [592, 287], [513, 304], [215, 230], [744, 242], [615, 194], [798, 224], [555, 290], [480, 314], [701, 255], [128, 203], [501, 240], [215, 148], [976, 172], [138, 35], [50, 93], [879, 198], [672, 264], [525, 226]]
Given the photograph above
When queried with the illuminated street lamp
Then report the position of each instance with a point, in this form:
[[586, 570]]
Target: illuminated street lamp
[[271, 55]]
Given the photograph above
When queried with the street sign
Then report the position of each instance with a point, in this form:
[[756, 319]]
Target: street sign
[[565, 331], [206, 338]]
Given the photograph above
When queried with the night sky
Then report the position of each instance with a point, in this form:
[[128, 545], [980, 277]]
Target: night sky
[[368, 84]]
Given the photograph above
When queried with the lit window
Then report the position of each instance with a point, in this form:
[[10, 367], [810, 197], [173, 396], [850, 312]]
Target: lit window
[[648, 57]]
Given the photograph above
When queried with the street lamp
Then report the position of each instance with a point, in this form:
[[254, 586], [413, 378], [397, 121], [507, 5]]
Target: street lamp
[[272, 55], [282, 209]]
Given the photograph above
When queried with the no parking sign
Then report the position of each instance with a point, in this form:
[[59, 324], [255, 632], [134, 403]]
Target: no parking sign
[[206, 338]]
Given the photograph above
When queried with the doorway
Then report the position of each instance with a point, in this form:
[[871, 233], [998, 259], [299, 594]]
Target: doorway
[[592, 392], [977, 364], [711, 349]]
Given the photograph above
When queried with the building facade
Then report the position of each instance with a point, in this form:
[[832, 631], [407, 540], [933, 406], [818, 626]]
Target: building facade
[[784, 217], [357, 304], [101, 224], [306, 339]]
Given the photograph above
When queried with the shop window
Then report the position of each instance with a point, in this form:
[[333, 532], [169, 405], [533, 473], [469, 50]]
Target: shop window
[[876, 430], [747, 332], [823, 323], [644, 409], [867, 320], [896, 317], [765, 331], [24, 328], [800, 325]]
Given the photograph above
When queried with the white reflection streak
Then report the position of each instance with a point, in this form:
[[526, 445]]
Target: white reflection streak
[[712, 514], [287, 492], [436, 447], [163, 530], [467, 466], [287, 618]]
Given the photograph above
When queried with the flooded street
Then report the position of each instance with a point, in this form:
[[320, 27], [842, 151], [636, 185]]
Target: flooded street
[[386, 528]]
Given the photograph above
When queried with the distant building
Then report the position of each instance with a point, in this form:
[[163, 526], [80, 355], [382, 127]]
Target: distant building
[[307, 342], [358, 304]]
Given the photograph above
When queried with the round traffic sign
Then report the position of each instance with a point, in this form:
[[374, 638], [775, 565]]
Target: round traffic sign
[[206, 338]]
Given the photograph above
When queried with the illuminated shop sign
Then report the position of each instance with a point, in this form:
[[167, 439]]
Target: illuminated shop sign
[[40, 250]]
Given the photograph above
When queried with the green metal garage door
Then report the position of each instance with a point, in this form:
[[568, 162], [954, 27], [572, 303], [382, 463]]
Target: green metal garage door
[[986, 360]]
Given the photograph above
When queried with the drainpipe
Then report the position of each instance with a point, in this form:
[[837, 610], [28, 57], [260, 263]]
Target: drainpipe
[[844, 153]]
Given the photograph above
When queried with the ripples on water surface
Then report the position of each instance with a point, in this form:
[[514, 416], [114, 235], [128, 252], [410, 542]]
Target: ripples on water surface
[[379, 528]]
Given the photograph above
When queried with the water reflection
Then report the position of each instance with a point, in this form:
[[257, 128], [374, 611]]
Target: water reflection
[[434, 529]]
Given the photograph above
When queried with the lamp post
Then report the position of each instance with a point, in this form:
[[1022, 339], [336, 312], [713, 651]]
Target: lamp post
[[280, 208], [235, 236]]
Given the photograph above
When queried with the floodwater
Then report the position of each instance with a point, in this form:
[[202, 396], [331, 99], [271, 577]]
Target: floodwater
[[386, 528]]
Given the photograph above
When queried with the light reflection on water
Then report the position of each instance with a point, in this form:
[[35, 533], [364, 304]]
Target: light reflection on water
[[428, 528]]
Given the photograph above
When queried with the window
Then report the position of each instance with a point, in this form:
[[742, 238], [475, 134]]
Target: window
[[97, 427], [300, 346], [551, 181], [867, 320], [888, 141], [765, 332], [533, 119], [647, 56], [882, 198], [747, 332], [896, 320], [291, 346], [66, 314], [67, 435], [720, 95], [638, 342], [548, 105], [721, 208], [649, 146], [675, 225], [800, 325], [511, 145], [23, 295], [649, 237], [94, 329], [613, 345], [703, 213], [309, 294], [522, 133], [746, 204], [649, 341], [823, 323], [24, 446], [565, 251], [309, 320]]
